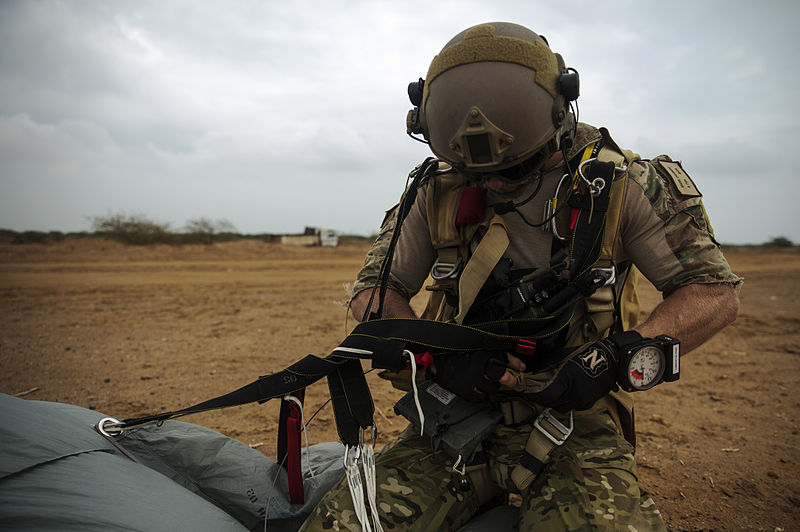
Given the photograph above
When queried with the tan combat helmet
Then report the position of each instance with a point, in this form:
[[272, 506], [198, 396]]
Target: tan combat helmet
[[495, 100]]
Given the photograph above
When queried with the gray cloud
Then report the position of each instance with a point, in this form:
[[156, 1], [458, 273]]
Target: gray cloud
[[273, 119]]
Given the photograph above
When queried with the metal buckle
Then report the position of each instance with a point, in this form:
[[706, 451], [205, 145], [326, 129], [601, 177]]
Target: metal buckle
[[556, 424], [445, 270], [373, 435], [609, 274], [109, 427]]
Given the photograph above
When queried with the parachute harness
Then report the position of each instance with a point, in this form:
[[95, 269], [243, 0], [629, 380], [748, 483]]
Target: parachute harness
[[390, 343]]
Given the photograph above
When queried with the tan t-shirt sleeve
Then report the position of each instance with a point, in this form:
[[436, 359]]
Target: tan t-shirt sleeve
[[665, 230]]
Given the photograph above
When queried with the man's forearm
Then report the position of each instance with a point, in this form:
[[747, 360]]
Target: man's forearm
[[693, 314], [394, 305]]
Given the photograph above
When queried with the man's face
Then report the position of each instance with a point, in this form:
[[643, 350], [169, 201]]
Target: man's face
[[495, 184], [502, 186]]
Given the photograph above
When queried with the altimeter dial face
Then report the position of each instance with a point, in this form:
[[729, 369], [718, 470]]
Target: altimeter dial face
[[646, 367]]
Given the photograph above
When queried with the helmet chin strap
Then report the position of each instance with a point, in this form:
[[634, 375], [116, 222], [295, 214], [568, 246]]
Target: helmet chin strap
[[561, 149], [509, 206]]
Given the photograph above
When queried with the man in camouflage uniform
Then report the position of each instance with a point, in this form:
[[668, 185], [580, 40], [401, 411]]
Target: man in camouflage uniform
[[590, 481]]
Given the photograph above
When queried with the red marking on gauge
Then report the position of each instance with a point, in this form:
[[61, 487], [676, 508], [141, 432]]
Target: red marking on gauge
[[636, 375]]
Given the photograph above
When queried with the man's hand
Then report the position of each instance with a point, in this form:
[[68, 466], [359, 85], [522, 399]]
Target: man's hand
[[474, 376], [509, 379], [587, 374]]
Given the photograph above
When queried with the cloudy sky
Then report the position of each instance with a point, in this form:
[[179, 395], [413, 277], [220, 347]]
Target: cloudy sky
[[278, 115]]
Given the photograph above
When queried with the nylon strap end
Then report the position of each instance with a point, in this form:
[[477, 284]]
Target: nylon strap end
[[388, 354]]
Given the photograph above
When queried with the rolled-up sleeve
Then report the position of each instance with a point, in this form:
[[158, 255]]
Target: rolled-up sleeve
[[665, 229]]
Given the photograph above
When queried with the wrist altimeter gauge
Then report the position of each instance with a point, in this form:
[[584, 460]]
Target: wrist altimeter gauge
[[645, 362]]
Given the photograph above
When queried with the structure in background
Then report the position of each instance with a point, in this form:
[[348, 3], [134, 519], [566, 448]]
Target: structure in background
[[313, 236]]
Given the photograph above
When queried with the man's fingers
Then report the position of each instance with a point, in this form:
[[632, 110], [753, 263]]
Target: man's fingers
[[508, 379], [515, 362]]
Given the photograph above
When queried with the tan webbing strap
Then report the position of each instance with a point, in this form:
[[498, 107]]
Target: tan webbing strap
[[600, 305], [443, 198], [547, 434], [480, 265], [434, 306], [614, 202]]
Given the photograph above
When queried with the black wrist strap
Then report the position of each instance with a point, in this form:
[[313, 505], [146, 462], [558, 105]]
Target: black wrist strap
[[625, 339]]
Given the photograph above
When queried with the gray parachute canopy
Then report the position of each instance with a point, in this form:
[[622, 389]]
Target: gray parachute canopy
[[58, 473]]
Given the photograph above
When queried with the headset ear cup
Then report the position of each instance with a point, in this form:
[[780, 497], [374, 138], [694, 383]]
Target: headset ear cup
[[415, 89], [569, 84], [415, 120]]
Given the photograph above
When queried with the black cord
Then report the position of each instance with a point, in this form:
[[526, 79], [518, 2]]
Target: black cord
[[546, 220], [417, 138], [503, 208], [508, 206], [403, 208]]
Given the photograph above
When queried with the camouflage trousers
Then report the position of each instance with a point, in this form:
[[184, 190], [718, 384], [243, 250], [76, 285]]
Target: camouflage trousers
[[589, 483]]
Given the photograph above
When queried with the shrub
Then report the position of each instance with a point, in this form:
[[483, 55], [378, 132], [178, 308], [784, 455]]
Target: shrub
[[132, 229], [206, 231], [780, 242], [37, 237]]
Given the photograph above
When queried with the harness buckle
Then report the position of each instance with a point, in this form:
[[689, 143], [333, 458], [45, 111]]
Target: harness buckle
[[445, 270], [609, 275], [558, 432], [373, 435]]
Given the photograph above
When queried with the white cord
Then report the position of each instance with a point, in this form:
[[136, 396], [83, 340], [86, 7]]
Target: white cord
[[353, 350], [463, 469], [369, 477], [356, 487], [296, 401], [266, 503], [416, 392]]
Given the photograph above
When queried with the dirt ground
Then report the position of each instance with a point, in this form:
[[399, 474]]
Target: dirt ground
[[130, 331]]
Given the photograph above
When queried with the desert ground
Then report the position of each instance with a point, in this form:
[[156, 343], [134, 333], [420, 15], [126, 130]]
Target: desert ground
[[130, 331]]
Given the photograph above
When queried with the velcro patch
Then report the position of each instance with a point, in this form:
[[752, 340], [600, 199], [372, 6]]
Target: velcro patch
[[593, 361], [680, 179]]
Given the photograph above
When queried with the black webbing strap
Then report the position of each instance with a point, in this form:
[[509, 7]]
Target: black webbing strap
[[531, 463], [431, 335], [352, 401], [296, 377], [348, 381], [587, 235]]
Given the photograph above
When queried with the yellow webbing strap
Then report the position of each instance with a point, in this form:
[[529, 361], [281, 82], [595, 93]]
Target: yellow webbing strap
[[480, 265]]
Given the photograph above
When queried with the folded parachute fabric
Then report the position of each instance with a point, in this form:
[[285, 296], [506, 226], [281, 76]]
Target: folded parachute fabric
[[58, 473]]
